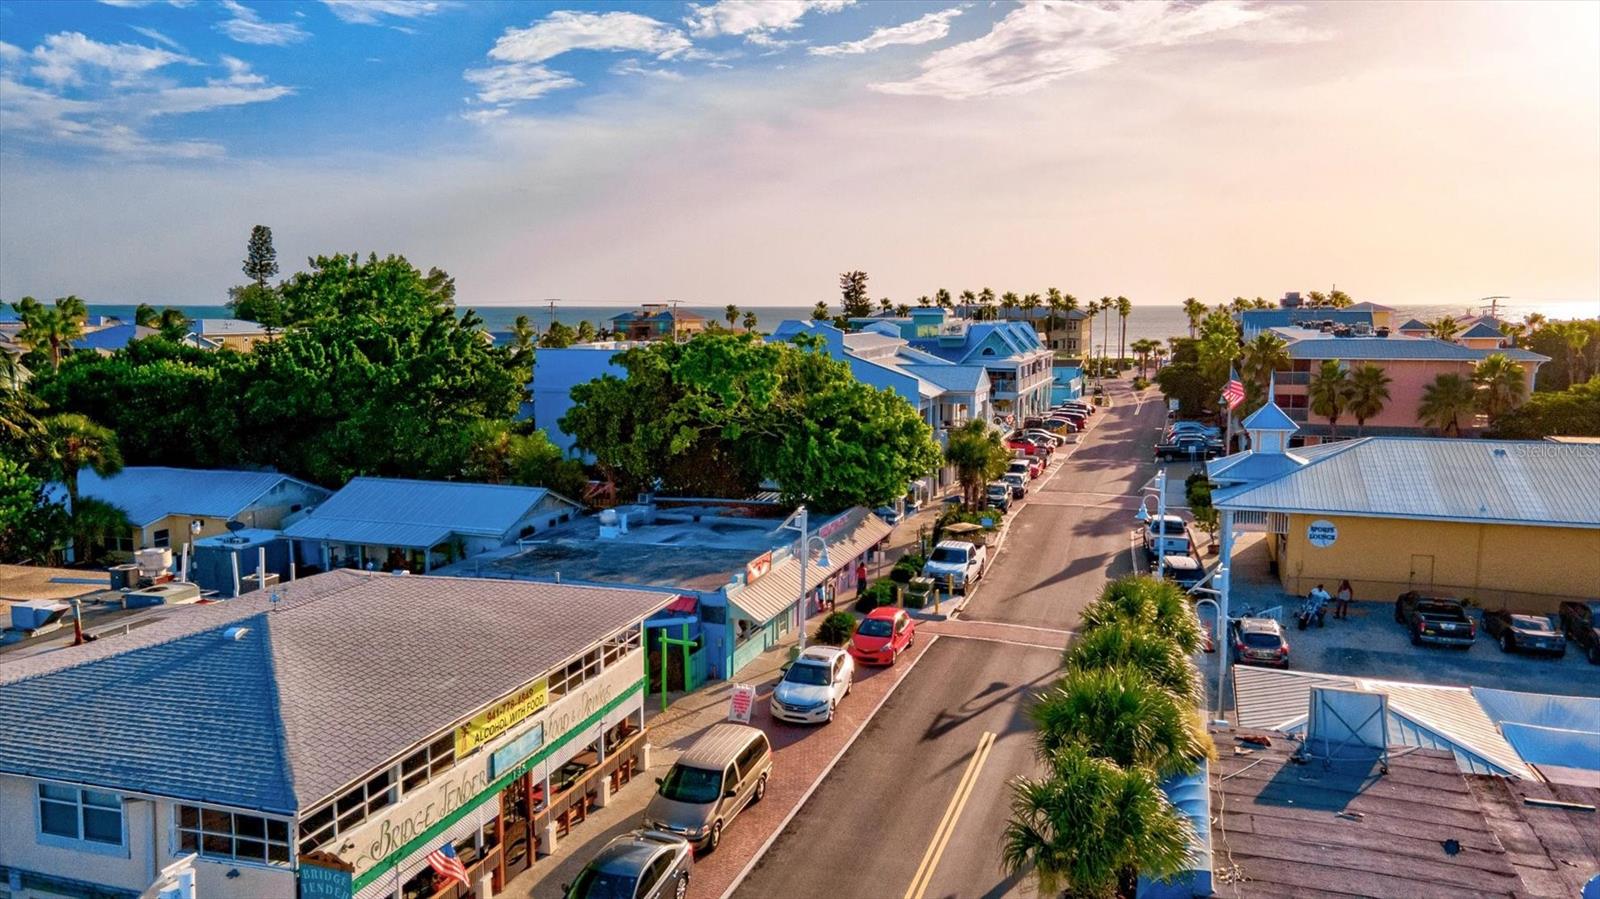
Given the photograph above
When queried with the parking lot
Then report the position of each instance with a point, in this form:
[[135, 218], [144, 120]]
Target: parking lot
[[1371, 644]]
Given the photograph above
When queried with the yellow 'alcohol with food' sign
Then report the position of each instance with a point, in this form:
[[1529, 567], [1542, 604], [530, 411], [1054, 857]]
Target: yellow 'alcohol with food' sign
[[501, 717]]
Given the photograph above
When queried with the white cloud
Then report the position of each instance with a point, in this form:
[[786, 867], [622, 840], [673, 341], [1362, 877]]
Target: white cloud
[[372, 12], [755, 20], [930, 27], [157, 36], [101, 97], [1044, 41], [633, 67], [247, 27], [66, 58], [563, 31], [517, 81]]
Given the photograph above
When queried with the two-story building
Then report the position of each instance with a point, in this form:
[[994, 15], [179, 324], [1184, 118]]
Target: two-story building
[[1411, 363], [232, 333], [657, 321], [324, 744]]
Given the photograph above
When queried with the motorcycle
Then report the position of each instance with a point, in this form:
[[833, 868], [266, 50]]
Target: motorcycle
[[1313, 607]]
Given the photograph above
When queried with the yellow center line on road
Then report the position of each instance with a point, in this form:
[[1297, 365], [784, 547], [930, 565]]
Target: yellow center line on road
[[952, 814]]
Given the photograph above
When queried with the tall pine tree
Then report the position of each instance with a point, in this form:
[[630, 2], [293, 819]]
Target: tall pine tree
[[260, 259], [853, 288]]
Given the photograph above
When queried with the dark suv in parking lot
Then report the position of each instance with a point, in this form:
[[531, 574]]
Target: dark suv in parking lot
[[1580, 621]]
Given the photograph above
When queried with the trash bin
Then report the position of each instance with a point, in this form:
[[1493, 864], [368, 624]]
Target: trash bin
[[124, 576]]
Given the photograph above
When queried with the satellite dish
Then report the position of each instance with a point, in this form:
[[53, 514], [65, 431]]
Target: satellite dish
[[236, 526]]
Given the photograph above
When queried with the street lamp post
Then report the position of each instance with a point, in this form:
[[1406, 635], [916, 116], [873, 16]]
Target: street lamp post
[[803, 516], [1161, 516]]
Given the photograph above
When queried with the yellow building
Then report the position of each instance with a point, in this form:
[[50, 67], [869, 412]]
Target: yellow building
[[1512, 524], [232, 333]]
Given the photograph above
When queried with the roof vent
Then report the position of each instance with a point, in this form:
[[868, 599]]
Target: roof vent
[[1500, 451], [235, 633]]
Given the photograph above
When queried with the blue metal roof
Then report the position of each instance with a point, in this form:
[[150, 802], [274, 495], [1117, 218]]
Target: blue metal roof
[[113, 338], [151, 493], [959, 378], [1269, 418], [1483, 329], [398, 512], [1426, 348]]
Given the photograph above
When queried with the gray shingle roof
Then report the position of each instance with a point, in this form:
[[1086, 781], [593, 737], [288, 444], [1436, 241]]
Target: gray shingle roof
[[350, 671], [1516, 481], [150, 493], [398, 512]]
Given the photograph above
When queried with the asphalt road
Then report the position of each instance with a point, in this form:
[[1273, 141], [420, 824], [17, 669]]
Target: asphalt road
[[915, 807]]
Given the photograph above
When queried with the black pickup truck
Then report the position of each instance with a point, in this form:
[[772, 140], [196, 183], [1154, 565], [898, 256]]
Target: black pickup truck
[[1580, 621], [1435, 619]]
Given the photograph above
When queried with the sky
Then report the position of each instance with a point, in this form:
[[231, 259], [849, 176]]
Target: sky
[[748, 151]]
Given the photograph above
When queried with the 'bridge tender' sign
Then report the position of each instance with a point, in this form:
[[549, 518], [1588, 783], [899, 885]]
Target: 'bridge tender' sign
[[1322, 533]]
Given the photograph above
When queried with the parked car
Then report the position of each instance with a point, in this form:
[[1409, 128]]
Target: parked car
[[1019, 484], [1058, 425], [1026, 446], [998, 495], [888, 514], [961, 562], [1167, 536], [813, 686], [1194, 427], [1183, 569], [1580, 621], [1435, 619], [1035, 466], [1023, 466], [645, 864], [1186, 446], [1049, 437], [1524, 633], [1074, 405], [711, 783], [1259, 641], [882, 636]]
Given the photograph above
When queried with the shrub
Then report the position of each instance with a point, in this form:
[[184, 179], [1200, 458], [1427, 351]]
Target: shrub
[[836, 629], [1141, 383], [880, 593], [907, 568]]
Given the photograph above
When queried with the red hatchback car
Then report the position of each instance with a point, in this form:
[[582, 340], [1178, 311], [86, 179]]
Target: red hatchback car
[[882, 636]]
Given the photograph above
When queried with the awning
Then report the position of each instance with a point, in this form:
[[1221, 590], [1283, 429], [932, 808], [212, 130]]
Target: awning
[[683, 605], [779, 589]]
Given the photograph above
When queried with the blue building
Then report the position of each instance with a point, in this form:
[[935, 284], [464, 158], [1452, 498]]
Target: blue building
[[556, 372]]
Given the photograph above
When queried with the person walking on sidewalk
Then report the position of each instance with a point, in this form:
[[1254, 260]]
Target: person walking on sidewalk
[[1341, 608]]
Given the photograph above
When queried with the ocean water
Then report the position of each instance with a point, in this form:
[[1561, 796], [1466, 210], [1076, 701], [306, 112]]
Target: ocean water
[[1150, 321]]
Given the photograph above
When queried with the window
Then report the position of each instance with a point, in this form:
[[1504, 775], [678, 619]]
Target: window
[[355, 805], [162, 537], [88, 816], [214, 833]]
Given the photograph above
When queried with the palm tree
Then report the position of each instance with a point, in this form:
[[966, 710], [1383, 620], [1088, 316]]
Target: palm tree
[[1195, 311], [1444, 327], [1534, 321], [1329, 393], [1054, 304], [146, 315], [1238, 304], [885, 306], [1093, 309], [1125, 643], [903, 309], [730, 313], [979, 456], [1106, 305], [1575, 336], [1120, 713], [941, 298], [522, 333], [924, 302], [174, 324], [1142, 348], [1149, 602], [1449, 397], [986, 303], [53, 327], [1501, 385], [70, 443], [1124, 308], [750, 320], [1369, 390], [1030, 305], [970, 300], [1513, 332], [1090, 827], [1264, 354], [586, 332]]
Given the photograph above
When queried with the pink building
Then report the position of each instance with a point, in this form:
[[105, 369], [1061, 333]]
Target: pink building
[[1412, 363]]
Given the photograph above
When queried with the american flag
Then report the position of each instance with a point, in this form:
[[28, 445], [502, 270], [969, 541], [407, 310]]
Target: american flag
[[1233, 393], [448, 865]]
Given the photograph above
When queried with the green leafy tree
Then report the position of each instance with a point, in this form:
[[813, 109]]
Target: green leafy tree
[[1369, 391], [820, 313], [558, 335], [495, 452], [1329, 393], [1090, 827], [1445, 401], [257, 303], [51, 329], [260, 258], [853, 295], [31, 525], [979, 456], [1186, 383], [70, 443], [1501, 383], [1574, 412]]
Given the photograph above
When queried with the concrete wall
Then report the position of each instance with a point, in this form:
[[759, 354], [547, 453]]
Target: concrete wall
[[150, 846], [1490, 563]]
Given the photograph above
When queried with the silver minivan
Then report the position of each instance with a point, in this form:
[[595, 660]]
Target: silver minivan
[[724, 771]]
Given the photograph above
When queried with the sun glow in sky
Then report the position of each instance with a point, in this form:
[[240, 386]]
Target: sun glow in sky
[[746, 152]]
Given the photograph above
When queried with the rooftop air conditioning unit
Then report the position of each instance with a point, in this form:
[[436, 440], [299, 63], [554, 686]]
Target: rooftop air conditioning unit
[[153, 561], [172, 593]]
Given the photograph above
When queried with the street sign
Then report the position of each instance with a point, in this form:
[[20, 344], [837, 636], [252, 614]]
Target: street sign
[[741, 703]]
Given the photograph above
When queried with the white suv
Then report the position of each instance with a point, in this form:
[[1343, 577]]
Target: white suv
[[961, 562]]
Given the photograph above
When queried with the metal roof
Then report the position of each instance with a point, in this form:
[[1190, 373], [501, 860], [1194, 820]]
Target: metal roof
[[219, 327], [1530, 482], [113, 338], [1482, 329], [1269, 418], [1424, 715], [779, 588], [399, 512], [150, 493], [960, 378], [179, 709], [1381, 348]]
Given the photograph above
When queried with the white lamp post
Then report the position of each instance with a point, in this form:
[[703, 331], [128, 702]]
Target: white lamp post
[[801, 521], [1161, 516]]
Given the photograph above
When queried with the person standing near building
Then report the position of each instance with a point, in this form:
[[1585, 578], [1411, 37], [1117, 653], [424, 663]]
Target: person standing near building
[[1341, 608], [861, 577]]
